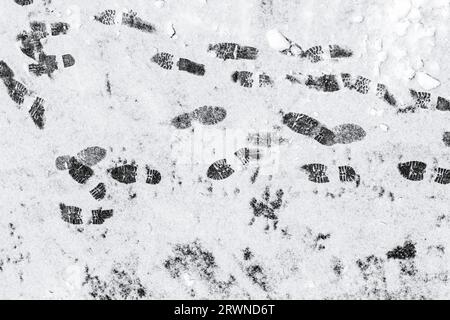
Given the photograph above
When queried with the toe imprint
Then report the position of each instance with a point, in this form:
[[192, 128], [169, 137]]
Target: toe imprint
[[37, 111], [245, 78], [182, 121], [219, 170], [317, 172], [23, 2], [443, 104], [79, 172], [70, 214], [446, 138], [246, 155], [99, 191], [124, 174], [442, 176], [228, 50], [153, 176], [348, 174], [191, 67], [99, 216], [91, 155]]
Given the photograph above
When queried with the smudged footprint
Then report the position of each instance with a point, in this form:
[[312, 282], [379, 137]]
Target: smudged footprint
[[266, 208], [128, 18], [265, 139], [443, 104], [32, 47], [222, 169], [79, 166], [323, 83], [70, 214], [314, 54], [18, 92], [310, 127], [206, 115], [99, 216], [446, 138], [360, 84], [166, 60], [412, 170], [192, 258], [384, 94], [247, 78], [233, 51], [47, 64], [348, 133], [348, 174]]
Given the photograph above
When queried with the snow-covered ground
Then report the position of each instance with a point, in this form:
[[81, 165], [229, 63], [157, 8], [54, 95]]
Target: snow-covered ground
[[191, 236]]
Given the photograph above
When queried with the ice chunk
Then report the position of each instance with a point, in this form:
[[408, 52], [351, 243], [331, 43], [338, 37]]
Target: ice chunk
[[426, 81], [276, 40]]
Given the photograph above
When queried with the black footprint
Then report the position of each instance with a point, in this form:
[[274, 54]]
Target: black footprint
[[442, 176], [316, 53], [443, 104], [412, 170], [79, 165], [348, 133], [99, 191], [221, 169], [165, 61], [407, 251], [127, 174], [233, 51], [317, 172], [23, 2], [33, 48], [360, 84], [266, 208], [130, 19], [206, 115], [17, 92], [99, 216], [310, 127], [246, 79], [348, 174], [446, 139], [72, 215], [124, 174]]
